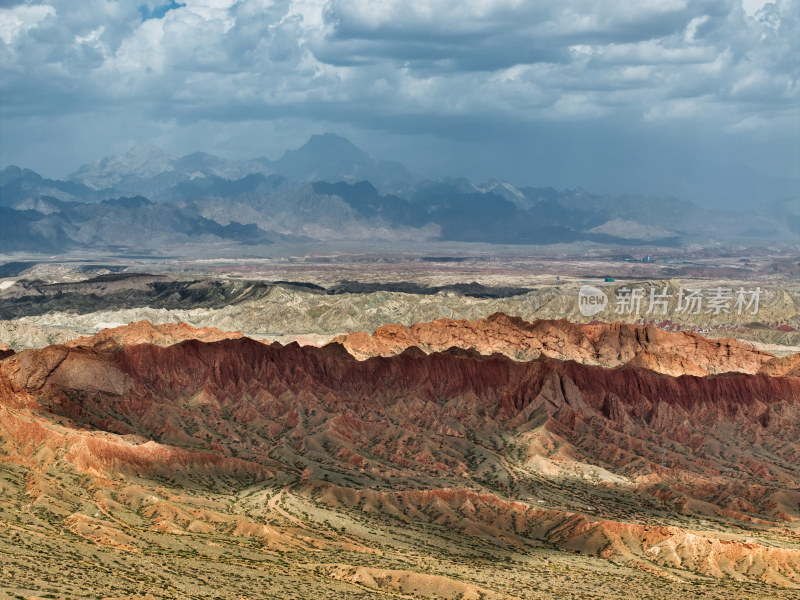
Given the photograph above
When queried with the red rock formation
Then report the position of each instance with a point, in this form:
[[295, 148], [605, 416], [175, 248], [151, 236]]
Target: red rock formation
[[725, 446], [606, 344], [785, 366], [145, 332], [196, 394]]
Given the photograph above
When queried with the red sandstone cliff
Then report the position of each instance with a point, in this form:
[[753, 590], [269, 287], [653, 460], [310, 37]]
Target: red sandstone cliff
[[145, 332], [241, 393], [606, 344]]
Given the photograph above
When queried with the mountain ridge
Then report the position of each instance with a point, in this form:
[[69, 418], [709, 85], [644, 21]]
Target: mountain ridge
[[321, 157], [605, 344], [329, 189]]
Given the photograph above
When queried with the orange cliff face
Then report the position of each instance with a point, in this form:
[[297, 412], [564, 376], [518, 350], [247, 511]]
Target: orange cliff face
[[605, 344], [723, 445], [145, 332]]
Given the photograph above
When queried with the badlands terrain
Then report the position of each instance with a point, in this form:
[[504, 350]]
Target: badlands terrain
[[167, 461], [409, 425], [439, 428]]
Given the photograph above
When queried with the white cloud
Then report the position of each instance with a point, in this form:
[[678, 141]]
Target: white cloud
[[15, 22], [222, 56], [751, 7]]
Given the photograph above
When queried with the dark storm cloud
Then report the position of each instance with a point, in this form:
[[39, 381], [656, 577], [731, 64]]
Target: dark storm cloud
[[493, 35], [184, 72]]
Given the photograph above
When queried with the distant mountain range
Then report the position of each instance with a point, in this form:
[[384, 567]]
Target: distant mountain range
[[149, 171], [329, 189]]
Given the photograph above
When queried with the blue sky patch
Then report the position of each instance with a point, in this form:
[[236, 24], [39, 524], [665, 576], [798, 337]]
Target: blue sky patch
[[159, 11]]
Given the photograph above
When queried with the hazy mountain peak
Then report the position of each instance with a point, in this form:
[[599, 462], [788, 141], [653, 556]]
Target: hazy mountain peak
[[326, 146], [149, 170], [502, 187], [331, 141], [140, 156], [331, 157], [142, 161], [13, 173], [146, 150]]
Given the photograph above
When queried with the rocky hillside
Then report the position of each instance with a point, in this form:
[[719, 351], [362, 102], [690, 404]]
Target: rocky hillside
[[34, 312], [683, 477]]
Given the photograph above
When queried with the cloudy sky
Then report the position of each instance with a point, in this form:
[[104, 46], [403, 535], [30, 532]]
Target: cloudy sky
[[698, 98]]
